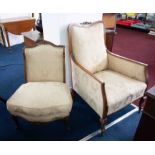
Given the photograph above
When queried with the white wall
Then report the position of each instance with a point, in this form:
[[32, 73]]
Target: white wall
[[55, 29], [55, 25]]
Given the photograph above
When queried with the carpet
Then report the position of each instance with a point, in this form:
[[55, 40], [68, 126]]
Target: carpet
[[83, 120], [136, 45], [122, 131]]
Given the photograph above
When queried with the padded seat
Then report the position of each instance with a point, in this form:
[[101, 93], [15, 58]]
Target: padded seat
[[120, 89], [41, 101]]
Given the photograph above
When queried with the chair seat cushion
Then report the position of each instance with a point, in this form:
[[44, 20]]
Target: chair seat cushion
[[41, 101], [120, 89]]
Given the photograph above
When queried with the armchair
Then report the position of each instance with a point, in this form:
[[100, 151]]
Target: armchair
[[106, 81], [45, 97]]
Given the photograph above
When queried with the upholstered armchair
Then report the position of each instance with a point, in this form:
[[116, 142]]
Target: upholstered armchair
[[45, 97], [106, 81]]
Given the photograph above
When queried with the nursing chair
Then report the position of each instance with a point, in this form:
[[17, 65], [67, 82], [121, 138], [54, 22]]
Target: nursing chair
[[45, 97], [106, 81]]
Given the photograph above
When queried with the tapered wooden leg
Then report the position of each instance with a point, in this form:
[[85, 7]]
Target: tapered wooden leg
[[141, 103], [7, 38], [3, 39], [72, 93], [103, 122], [66, 122], [16, 122]]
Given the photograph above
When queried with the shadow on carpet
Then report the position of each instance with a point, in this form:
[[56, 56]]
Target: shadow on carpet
[[83, 121]]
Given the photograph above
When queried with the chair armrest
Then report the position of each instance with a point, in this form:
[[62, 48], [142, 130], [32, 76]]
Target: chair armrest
[[89, 88], [128, 67]]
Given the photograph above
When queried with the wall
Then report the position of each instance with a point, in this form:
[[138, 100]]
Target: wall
[[55, 30]]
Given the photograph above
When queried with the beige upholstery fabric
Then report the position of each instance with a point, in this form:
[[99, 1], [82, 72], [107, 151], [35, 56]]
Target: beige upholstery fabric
[[44, 63], [88, 47], [126, 67], [88, 88], [120, 89], [124, 80], [41, 101]]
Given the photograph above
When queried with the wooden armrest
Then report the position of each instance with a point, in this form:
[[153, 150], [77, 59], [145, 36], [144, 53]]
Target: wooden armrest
[[128, 67], [128, 59], [84, 69]]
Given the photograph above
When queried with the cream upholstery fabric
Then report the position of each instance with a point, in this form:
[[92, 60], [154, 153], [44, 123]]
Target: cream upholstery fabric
[[126, 67], [44, 63], [88, 47], [88, 88], [124, 80], [41, 101], [120, 89]]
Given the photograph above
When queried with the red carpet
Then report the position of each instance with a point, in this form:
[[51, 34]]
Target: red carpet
[[138, 46]]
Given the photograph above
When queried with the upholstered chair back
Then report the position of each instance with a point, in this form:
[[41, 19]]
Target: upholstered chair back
[[44, 62], [88, 46]]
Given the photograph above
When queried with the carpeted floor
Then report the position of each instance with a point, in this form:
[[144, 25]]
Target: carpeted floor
[[115, 133], [136, 45], [83, 119]]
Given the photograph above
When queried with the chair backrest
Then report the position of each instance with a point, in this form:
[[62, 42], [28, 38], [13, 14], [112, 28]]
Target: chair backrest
[[45, 62], [87, 45]]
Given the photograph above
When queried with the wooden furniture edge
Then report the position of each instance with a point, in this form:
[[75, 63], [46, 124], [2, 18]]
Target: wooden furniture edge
[[18, 19], [133, 61], [105, 104], [109, 14]]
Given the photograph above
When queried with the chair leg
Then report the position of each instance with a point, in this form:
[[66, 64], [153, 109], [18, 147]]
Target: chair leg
[[141, 103], [16, 121], [72, 93], [2, 99], [103, 122], [66, 123]]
